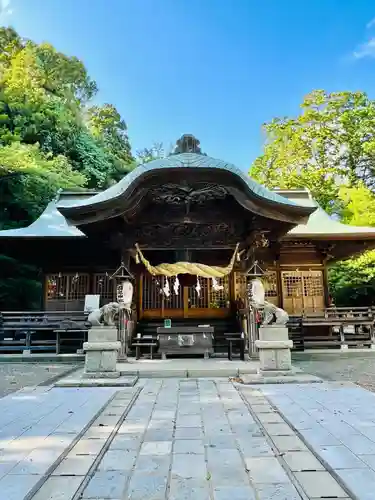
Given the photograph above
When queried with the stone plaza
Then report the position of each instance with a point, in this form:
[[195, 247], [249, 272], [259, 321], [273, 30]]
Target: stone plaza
[[176, 438]]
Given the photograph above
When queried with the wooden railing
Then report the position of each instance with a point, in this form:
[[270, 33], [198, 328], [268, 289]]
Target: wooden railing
[[339, 327], [42, 331]]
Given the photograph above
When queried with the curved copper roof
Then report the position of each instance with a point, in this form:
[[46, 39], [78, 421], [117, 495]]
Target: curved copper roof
[[193, 162]]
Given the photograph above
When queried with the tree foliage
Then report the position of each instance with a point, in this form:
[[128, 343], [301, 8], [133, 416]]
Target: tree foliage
[[331, 142], [329, 148], [51, 137], [46, 133]]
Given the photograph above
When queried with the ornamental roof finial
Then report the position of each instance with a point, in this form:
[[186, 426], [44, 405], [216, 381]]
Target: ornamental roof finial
[[187, 144]]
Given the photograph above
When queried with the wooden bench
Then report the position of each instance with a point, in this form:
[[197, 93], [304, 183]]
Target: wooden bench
[[236, 339], [139, 345]]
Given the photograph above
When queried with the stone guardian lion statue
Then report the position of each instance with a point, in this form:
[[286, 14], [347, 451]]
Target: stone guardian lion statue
[[271, 313], [105, 316]]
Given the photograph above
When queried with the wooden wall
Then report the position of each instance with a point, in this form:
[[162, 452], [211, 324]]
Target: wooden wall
[[295, 280]]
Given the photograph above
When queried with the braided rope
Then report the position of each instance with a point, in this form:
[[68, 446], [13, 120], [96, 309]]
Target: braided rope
[[196, 269]]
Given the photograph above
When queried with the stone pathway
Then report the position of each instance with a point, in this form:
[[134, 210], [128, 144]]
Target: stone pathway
[[196, 439], [170, 439], [337, 421], [37, 426]]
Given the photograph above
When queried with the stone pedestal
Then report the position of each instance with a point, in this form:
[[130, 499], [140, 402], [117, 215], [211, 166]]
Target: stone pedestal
[[101, 352], [274, 349]]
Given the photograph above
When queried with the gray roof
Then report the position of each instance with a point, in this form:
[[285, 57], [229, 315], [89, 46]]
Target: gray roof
[[51, 223], [184, 160], [320, 224]]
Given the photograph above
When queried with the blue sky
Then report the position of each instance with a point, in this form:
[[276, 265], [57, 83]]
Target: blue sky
[[214, 68]]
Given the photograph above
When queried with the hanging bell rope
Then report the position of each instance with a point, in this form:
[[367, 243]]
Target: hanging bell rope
[[196, 269]]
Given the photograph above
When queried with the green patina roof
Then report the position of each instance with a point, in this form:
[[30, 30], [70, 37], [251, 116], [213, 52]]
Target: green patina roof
[[184, 160], [320, 224]]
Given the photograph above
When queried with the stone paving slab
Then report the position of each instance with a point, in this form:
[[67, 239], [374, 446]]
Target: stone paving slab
[[191, 368], [78, 379], [214, 448], [168, 439], [36, 427], [340, 430]]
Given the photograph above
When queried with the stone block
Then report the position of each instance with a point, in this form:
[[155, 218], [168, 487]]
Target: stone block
[[57, 488], [92, 361], [88, 447], [266, 470], [277, 492], [255, 447], [234, 493], [118, 460], [302, 461], [278, 429], [108, 361], [189, 421], [340, 457], [361, 482], [126, 442], [189, 466], [188, 446], [189, 433], [108, 485], [289, 443], [101, 346], [101, 361], [153, 464], [156, 448], [78, 465], [145, 486], [270, 332], [320, 484], [102, 334], [275, 359], [189, 489], [271, 417]]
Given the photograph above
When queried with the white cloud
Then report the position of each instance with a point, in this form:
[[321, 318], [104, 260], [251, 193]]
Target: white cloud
[[365, 50]]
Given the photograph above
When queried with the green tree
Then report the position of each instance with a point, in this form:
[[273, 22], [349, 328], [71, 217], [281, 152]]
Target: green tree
[[329, 148], [108, 128], [331, 142], [352, 282], [47, 141], [29, 177]]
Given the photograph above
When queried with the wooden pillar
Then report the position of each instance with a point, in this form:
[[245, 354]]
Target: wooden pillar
[[44, 292], [325, 283], [140, 295]]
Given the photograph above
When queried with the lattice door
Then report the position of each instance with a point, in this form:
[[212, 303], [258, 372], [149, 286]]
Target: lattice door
[[292, 291], [153, 297], [313, 291], [66, 292], [105, 287], [302, 291], [269, 282], [209, 298]]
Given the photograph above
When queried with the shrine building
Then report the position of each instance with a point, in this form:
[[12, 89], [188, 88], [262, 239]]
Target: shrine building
[[194, 210]]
